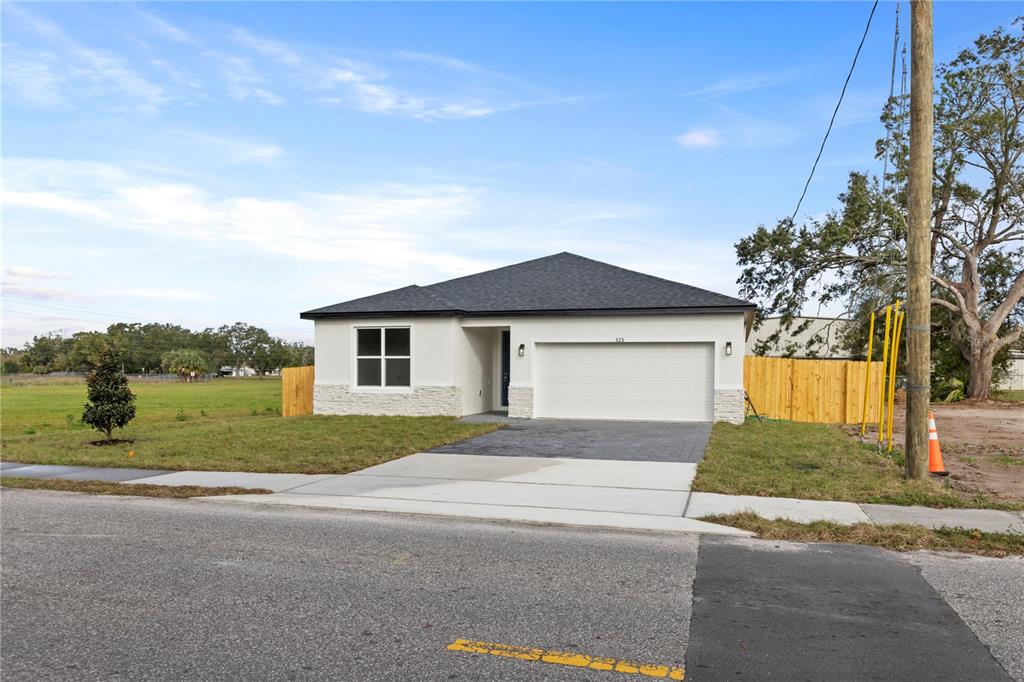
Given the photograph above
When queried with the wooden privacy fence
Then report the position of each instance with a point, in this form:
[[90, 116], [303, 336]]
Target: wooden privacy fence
[[296, 391], [820, 391]]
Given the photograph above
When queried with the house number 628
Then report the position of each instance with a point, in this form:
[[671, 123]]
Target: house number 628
[[620, 339]]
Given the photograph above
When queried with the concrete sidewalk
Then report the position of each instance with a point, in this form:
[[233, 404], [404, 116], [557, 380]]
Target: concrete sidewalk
[[848, 513], [578, 492]]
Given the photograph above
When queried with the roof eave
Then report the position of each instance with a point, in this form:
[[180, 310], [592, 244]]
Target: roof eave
[[746, 309], [326, 314]]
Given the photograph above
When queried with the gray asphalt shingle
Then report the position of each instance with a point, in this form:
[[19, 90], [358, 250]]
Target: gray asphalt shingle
[[559, 283]]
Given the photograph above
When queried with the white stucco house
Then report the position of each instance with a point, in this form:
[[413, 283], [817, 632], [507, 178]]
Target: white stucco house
[[559, 337]]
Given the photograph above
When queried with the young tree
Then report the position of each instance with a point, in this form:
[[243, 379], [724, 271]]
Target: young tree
[[111, 403], [977, 218]]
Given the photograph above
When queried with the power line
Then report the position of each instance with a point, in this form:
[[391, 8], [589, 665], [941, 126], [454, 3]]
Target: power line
[[108, 314], [835, 112], [885, 147]]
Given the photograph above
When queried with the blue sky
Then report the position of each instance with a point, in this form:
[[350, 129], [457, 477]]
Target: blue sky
[[205, 163]]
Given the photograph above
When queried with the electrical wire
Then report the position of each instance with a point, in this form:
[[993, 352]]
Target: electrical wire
[[885, 146], [835, 112]]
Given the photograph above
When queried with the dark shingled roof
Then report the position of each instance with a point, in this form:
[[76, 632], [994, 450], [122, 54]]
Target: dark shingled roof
[[562, 284]]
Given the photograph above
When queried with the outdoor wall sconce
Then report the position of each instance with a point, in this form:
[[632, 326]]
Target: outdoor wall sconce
[[522, 349], [728, 347]]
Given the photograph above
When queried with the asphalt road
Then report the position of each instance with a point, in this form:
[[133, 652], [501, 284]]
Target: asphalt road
[[141, 589]]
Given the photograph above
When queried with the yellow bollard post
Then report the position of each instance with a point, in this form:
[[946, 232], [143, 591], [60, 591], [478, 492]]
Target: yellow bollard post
[[867, 376], [885, 374], [892, 383]]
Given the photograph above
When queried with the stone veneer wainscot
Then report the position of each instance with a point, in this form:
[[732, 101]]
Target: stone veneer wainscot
[[729, 405], [420, 401]]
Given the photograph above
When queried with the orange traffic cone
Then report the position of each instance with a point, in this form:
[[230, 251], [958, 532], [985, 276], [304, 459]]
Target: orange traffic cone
[[935, 465]]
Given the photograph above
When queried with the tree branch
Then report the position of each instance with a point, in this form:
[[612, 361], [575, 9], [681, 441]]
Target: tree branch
[[945, 304], [1002, 311]]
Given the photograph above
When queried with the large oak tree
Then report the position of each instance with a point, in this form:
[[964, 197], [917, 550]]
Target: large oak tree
[[857, 254]]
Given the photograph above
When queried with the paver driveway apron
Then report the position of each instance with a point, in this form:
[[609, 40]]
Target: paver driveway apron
[[617, 474]]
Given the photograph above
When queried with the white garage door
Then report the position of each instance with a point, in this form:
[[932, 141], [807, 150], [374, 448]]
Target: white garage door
[[654, 381]]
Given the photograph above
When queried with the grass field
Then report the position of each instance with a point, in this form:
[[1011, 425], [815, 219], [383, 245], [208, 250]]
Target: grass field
[[45, 408], [1010, 396], [815, 462], [226, 425]]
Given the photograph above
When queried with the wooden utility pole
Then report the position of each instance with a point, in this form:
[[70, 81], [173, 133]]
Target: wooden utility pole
[[919, 220]]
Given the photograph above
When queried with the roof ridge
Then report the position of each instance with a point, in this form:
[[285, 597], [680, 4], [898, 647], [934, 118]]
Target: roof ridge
[[504, 267], [644, 274], [652, 276]]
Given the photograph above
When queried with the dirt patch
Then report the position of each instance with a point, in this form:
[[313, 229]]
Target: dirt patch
[[982, 446]]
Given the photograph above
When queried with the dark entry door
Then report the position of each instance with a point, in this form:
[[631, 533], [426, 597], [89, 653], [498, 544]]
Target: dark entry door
[[506, 350]]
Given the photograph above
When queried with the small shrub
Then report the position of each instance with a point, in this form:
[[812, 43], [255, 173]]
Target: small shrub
[[30, 431], [181, 416], [950, 391]]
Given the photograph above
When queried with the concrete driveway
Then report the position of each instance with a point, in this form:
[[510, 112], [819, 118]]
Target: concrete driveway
[[585, 439]]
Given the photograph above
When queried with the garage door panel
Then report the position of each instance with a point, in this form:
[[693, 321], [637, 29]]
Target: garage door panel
[[652, 381]]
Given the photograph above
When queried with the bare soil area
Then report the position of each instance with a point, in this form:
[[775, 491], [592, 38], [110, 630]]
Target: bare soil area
[[982, 446]]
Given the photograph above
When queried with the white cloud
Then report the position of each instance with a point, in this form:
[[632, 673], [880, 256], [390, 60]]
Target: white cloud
[[341, 242], [274, 49], [365, 87], [699, 138], [33, 76], [439, 60], [227, 148], [391, 226], [243, 81], [377, 235], [254, 68], [70, 70], [49, 201], [166, 28], [736, 84], [737, 130], [40, 293], [27, 282], [34, 273], [258, 152], [381, 99]]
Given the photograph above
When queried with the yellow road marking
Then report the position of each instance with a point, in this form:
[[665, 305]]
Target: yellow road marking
[[568, 658]]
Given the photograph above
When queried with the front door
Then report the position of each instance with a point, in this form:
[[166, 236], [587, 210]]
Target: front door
[[506, 350]]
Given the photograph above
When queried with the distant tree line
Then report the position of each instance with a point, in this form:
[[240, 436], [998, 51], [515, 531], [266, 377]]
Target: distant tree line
[[157, 348]]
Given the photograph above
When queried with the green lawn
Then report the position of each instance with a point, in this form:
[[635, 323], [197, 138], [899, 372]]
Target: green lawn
[[1011, 396], [227, 425], [814, 462], [44, 408]]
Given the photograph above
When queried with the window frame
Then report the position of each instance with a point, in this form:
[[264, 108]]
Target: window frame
[[382, 357]]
